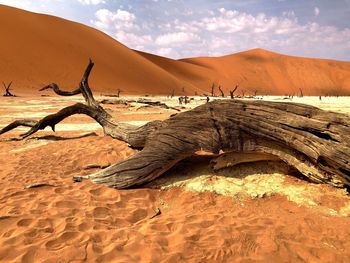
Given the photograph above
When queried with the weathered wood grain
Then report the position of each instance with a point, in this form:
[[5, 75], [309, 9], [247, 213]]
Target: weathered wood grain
[[313, 141]]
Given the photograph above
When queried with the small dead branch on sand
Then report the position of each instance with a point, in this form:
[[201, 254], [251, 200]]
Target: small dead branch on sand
[[96, 166], [140, 101], [5, 217], [157, 104], [37, 185], [157, 213], [313, 141], [117, 102]]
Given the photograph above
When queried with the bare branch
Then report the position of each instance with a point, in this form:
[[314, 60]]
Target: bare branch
[[17, 123], [59, 91], [222, 93], [212, 90]]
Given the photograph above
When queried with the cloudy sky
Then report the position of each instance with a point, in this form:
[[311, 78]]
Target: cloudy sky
[[186, 28]]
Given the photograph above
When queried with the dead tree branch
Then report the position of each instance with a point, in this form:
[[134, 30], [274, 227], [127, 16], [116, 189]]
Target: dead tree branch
[[7, 90], [313, 141], [118, 93], [222, 93], [212, 90], [233, 91], [301, 93]]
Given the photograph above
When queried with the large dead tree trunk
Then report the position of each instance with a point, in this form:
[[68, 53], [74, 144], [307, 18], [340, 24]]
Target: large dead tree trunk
[[313, 141]]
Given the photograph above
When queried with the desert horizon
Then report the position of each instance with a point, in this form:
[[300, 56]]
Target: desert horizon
[[173, 131], [68, 45]]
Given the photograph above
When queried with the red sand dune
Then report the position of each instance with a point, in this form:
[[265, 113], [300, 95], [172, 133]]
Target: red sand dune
[[38, 49], [272, 73]]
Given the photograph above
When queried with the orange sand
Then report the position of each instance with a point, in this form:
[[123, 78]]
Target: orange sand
[[77, 222], [40, 49]]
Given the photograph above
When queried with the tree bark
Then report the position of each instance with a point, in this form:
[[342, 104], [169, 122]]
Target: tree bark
[[313, 141]]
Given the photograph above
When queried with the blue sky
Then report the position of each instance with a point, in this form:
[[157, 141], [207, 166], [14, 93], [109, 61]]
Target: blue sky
[[180, 28]]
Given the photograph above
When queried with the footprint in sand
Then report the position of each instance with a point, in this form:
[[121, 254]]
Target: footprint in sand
[[49, 230], [206, 224], [67, 204], [83, 227], [101, 212], [137, 215], [105, 193], [120, 222], [60, 190], [63, 240], [121, 203], [31, 233], [24, 222], [9, 233]]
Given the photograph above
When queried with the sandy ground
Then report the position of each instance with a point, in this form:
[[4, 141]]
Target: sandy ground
[[249, 213]]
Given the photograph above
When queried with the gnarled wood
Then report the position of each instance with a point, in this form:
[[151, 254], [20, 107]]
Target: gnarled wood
[[17, 123], [59, 91], [313, 141]]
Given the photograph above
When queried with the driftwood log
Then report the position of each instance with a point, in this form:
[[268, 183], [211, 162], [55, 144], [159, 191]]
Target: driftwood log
[[313, 141]]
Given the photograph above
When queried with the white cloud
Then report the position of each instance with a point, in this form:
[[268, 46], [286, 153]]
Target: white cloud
[[224, 31], [34, 6], [289, 14], [122, 25], [92, 2], [166, 52], [230, 21], [316, 11], [228, 31], [121, 19], [133, 40], [176, 38]]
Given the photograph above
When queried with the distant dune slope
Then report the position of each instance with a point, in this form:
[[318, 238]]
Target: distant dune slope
[[272, 73], [39, 49]]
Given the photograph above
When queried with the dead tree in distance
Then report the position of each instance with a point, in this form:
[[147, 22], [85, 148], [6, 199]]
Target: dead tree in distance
[[301, 93], [7, 90], [313, 141], [233, 91], [222, 93], [213, 90], [118, 92]]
